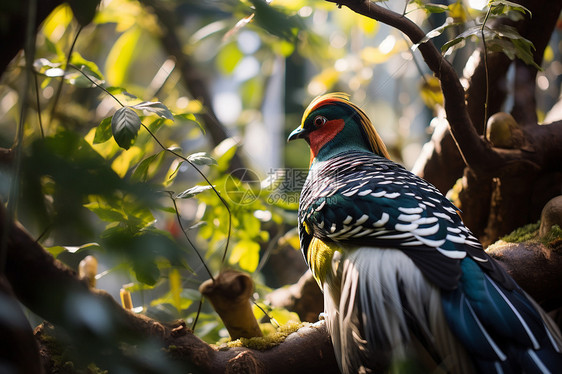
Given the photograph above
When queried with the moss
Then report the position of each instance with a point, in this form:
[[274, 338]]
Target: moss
[[61, 355], [523, 234], [270, 340], [553, 238], [530, 232]]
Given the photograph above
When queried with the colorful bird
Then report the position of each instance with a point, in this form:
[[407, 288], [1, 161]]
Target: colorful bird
[[405, 282]]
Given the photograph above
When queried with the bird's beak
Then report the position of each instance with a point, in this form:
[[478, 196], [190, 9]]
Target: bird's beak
[[297, 133]]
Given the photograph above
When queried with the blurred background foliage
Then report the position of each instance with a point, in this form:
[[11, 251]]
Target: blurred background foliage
[[128, 201]]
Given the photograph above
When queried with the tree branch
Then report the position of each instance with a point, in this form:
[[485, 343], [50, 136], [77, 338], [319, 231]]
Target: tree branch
[[53, 291], [475, 152]]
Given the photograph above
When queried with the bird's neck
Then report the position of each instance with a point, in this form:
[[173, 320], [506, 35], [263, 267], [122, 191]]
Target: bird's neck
[[336, 146]]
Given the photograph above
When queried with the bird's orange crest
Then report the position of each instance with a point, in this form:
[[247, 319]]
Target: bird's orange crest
[[375, 141]]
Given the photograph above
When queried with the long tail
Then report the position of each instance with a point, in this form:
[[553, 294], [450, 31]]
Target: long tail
[[381, 311], [504, 330]]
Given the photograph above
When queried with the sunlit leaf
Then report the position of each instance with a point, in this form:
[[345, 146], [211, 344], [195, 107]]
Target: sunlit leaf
[[125, 125], [148, 167], [55, 24], [56, 250], [501, 7], [190, 192], [106, 213], [435, 8], [103, 131], [41, 63], [190, 117], [228, 57], [430, 92], [120, 56], [155, 107], [457, 11], [276, 20], [54, 72], [251, 225], [283, 316], [201, 158], [86, 67], [176, 288], [172, 172], [187, 296], [126, 160], [246, 253]]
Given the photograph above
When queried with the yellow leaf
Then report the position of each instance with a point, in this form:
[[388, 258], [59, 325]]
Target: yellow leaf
[[107, 149], [123, 162], [120, 57], [430, 92], [247, 254], [57, 22], [548, 54], [368, 26], [175, 288], [283, 316], [457, 11], [323, 81]]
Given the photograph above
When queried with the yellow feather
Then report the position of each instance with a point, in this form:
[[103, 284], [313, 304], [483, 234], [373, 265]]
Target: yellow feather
[[319, 257], [375, 141]]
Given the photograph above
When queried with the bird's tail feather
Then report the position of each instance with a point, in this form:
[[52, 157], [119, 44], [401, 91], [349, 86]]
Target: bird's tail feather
[[377, 304], [502, 329]]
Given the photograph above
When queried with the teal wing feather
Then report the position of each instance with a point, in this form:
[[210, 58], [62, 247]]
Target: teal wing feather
[[359, 198]]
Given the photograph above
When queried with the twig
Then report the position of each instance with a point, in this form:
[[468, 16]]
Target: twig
[[178, 216], [59, 87], [38, 105], [486, 70]]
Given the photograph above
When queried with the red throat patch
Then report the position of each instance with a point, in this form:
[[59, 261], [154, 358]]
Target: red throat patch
[[323, 135]]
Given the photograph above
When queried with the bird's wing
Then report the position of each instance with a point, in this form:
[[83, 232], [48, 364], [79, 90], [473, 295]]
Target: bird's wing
[[361, 199]]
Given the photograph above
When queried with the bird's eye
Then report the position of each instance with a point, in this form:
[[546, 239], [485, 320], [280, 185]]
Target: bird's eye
[[319, 121]]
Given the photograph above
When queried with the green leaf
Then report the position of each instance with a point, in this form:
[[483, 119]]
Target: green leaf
[[105, 212], [148, 167], [190, 192], [228, 57], [146, 272], [103, 131], [89, 66], [190, 117], [56, 250], [501, 7], [125, 125], [201, 158], [435, 32], [435, 8], [172, 172], [155, 107]]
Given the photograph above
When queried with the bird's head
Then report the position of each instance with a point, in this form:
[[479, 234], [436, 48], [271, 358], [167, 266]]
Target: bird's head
[[332, 124]]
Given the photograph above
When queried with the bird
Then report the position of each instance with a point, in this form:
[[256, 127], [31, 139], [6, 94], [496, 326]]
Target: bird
[[406, 284]]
